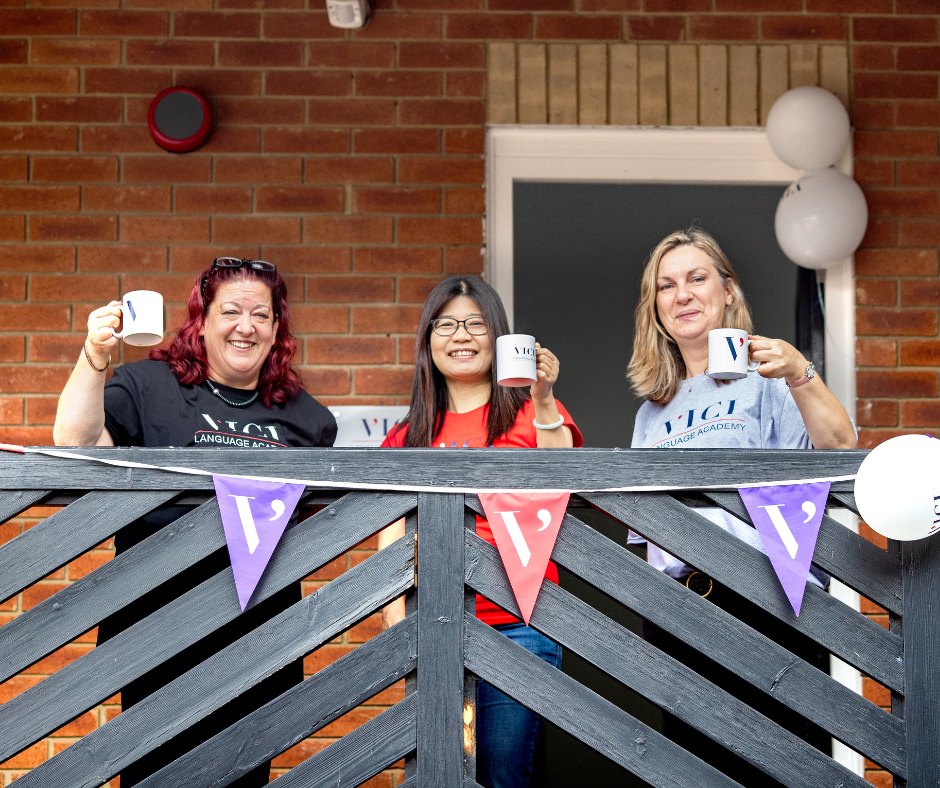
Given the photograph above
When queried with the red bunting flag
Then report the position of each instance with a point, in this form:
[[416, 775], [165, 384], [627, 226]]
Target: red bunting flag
[[525, 526]]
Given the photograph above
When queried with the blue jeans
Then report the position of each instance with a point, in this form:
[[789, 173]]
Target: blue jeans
[[508, 732]]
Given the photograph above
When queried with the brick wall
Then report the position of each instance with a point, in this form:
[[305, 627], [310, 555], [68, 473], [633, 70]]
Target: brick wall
[[354, 160]]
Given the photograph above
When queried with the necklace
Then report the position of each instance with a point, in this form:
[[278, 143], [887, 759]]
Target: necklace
[[215, 390]]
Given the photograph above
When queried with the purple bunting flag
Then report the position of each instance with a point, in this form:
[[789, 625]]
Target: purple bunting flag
[[788, 517], [254, 516]]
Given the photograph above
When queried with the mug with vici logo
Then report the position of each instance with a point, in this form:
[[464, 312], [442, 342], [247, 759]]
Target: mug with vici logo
[[141, 318], [728, 354], [515, 360]]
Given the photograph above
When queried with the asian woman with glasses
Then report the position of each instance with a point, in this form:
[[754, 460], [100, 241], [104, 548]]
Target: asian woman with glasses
[[457, 403], [224, 379]]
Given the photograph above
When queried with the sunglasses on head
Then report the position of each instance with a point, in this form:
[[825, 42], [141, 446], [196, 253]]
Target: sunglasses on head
[[239, 262]]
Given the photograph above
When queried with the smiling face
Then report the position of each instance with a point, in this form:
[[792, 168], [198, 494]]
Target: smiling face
[[690, 296], [462, 357], [239, 331]]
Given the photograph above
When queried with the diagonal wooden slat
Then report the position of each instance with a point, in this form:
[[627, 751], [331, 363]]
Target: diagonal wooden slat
[[582, 713], [855, 561], [304, 626], [361, 754], [70, 532], [299, 712], [14, 502], [670, 685], [852, 637], [102, 672]]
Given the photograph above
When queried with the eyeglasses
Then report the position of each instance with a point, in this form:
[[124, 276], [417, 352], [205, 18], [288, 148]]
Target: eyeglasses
[[238, 262], [447, 326]]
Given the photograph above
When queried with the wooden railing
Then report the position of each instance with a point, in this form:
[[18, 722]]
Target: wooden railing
[[440, 647]]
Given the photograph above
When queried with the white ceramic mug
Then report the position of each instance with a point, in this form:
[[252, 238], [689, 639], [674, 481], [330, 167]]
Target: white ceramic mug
[[515, 360], [141, 318], [728, 354]]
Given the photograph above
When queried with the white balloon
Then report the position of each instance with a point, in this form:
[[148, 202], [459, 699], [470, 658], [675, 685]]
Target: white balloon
[[821, 219], [897, 487], [808, 128]]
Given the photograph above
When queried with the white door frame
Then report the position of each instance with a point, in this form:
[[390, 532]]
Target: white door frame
[[660, 155]]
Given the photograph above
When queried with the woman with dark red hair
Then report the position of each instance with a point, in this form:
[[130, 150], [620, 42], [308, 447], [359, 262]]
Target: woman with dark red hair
[[225, 378]]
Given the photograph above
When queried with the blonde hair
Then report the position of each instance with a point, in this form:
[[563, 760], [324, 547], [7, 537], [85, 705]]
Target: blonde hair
[[656, 367]]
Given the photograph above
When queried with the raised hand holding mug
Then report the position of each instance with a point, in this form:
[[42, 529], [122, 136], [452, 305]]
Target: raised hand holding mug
[[728, 354], [141, 318], [515, 360]]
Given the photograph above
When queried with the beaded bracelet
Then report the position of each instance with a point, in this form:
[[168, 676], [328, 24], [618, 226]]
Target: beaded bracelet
[[553, 426], [92, 363]]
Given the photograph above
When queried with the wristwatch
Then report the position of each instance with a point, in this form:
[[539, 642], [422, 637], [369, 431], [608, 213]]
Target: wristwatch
[[808, 375]]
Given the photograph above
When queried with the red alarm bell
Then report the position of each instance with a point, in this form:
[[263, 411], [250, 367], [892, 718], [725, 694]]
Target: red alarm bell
[[179, 119]]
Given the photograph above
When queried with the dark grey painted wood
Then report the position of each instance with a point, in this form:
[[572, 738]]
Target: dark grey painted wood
[[14, 502], [295, 632], [856, 562], [102, 672], [361, 754], [735, 564], [675, 687], [323, 698], [594, 720], [70, 532], [440, 638], [581, 469], [921, 561]]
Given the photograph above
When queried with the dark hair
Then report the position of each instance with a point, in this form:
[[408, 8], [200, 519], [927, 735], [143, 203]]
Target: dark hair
[[278, 381], [425, 416]]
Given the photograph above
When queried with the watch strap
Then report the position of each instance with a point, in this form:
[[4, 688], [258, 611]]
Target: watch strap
[[808, 375]]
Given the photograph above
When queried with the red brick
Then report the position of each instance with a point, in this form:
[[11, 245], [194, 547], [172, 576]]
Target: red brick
[[348, 229], [414, 290], [29, 758], [398, 260], [258, 229], [253, 170], [445, 231], [127, 81], [73, 287], [35, 257], [351, 54], [80, 726], [897, 384], [398, 141], [873, 114], [876, 413], [123, 23], [919, 114], [920, 352], [922, 413], [440, 171], [611, 5], [212, 199], [73, 228], [907, 202], [919, 173], [464, 141], [75, 51], [323, 381], [107, 139], [11, 412], [465, 201], [346, 112], [873, 57], [876, 352], [75, 168], [398, 83], [222, 82], [385, 320], [896, 86], [896, 262], [583, 28], [350, 350], [12, 287], [38, 79], [655, 28], [383, 380], [304, 140], [12, 349], [308, 83], [126, 199], [403, 26], [39, 198], [893, 322], [152, 229], [14, 51], [299, 200], [465, 84], [440, 112], [915, 232], [351, 289], [396, 200], [869, 173], [348, 169], [443, 55], [463, 260], [122, 258], [12, 228], [311, 260], [489, 26], [41, 410], [919, 58], [920, 292], [16, 109], [895, 144], [215, 25], [876, 292], [168, 168], [169, 52], [38, 22], [802, 27], [61, 658], [886, 28]]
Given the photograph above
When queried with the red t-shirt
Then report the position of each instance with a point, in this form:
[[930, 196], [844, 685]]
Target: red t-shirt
[[468, 431]]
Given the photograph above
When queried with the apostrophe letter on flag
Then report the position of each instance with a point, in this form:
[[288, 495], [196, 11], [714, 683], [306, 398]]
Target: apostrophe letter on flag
[[254, 516], [525, 526], [788, 517]]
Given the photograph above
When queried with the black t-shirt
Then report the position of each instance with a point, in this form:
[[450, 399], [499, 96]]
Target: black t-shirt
[[145, 405]]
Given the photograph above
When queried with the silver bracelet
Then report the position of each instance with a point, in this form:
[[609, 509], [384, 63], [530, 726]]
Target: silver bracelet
[[553, 426]]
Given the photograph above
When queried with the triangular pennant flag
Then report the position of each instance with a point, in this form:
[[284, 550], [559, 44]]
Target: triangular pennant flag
[[788, 517], [254, 516], [525, 526]]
